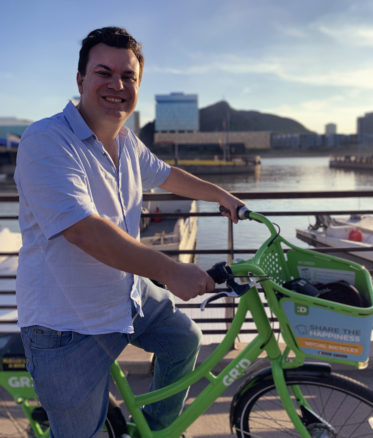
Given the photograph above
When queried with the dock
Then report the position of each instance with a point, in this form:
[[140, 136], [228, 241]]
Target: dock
[[352, 162]]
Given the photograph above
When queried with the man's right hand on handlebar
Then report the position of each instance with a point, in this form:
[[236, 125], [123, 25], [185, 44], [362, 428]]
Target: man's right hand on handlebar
[[187, 281]]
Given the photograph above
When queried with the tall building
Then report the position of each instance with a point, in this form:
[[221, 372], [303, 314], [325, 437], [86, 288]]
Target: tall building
[[133, 122], [365, 129], [176, 112], [330, 129]]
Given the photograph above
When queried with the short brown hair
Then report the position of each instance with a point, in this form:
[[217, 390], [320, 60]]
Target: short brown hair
[[111, 36]]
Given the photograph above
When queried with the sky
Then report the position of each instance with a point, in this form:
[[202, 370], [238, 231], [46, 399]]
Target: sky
[[308, 60]]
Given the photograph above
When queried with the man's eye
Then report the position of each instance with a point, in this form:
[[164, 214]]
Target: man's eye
[[129, 79], [103, 73]]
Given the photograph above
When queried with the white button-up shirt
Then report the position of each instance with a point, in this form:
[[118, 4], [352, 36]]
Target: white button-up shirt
[[63, 175]]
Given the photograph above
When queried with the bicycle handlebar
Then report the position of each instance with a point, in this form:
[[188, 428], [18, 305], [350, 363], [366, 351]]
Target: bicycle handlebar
[[222, 273], [244, 213]]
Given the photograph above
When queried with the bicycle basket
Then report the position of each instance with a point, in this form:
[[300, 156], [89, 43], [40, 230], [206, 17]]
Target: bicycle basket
[[317, 327]]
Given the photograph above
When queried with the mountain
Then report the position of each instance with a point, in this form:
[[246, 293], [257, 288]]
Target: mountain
[[220, 114], [214, 117]]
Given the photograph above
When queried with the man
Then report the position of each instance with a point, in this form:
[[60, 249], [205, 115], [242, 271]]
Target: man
[[82, 286]]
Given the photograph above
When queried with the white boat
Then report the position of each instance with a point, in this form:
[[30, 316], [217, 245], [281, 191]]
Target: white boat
[[171, 234], [354, 231]]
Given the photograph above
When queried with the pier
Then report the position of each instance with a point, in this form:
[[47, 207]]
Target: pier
[[352, 162]]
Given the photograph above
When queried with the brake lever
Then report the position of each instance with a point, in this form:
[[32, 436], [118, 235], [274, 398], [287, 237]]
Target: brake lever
[[237, 290], [232, 294]]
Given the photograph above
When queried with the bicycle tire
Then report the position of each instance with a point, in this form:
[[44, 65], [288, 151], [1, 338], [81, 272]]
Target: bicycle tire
[[340, 401]]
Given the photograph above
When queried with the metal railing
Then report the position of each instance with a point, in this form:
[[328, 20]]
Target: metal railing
[[230, 251]]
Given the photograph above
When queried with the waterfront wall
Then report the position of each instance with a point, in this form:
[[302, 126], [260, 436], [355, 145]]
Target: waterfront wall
[[251, 140]]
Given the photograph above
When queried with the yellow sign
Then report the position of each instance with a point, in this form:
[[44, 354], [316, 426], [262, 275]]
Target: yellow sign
[[335, 347], [14, 363]]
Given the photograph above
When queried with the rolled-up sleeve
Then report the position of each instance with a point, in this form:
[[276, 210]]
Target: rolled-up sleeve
[[154, 171], [52, 182]]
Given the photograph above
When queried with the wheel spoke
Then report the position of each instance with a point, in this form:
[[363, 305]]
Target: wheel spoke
[[345, 407]]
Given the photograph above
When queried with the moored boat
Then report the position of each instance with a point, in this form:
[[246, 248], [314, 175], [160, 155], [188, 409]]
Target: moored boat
[[345, 232], [171, 233]]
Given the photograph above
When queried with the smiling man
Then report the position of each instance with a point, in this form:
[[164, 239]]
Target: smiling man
[[83, 288]]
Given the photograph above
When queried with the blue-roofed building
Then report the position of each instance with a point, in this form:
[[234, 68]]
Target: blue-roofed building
[[176, 112]]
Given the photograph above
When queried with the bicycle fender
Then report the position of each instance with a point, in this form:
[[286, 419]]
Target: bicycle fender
[[313, 369]]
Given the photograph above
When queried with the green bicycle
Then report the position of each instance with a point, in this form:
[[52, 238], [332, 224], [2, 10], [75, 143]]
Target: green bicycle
[[292, 397]]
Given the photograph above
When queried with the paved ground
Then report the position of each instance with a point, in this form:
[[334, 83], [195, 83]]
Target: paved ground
[[214, 422]]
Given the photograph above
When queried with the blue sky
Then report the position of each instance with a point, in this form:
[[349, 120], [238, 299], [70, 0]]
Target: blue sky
[[308, 60]]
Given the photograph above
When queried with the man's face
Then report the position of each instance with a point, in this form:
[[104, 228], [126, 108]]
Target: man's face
[[110, 86]]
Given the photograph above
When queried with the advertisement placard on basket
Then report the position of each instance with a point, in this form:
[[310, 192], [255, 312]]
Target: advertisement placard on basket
[[328, 334]]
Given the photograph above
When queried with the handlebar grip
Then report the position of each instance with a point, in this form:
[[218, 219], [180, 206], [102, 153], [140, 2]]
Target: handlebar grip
[[242, 211], [220, 272]]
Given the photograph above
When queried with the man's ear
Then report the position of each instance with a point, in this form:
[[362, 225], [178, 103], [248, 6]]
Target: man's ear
[[79, 81]]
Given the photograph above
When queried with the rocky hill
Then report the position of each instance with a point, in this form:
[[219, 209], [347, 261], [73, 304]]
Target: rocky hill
[[221, 115]]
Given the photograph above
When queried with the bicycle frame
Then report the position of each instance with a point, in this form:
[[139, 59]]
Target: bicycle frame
[[19, 383], [236, 369]]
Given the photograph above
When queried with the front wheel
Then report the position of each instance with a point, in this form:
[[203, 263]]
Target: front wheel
[[343, 408]]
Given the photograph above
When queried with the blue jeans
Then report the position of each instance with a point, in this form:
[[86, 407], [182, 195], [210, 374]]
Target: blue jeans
[[71, 371]]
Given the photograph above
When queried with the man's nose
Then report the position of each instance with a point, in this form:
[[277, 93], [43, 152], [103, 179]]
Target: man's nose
[[116, 83]]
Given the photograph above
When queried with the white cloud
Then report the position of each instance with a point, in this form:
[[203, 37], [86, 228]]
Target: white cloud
[[289, 69], [349, 35], [318, 112]]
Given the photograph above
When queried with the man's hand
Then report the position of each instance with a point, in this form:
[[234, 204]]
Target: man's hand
[[187, 281], [231, 203]]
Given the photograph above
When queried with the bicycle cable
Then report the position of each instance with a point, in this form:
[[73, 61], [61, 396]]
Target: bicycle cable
[[275, 236]]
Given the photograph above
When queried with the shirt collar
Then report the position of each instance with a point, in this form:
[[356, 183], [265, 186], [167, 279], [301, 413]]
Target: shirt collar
[[80, 127], [76, 122]]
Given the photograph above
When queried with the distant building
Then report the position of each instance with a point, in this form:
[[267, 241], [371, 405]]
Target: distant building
[[176, 112], [296, 141], [133, 122], [365, 129], [331, 137], [330, 129], [11, 129], [196, 142]]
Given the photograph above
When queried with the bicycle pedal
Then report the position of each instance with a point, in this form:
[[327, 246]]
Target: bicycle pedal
[[39, 415]]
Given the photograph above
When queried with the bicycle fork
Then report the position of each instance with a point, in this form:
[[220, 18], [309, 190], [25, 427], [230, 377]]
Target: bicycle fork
[[283, 392], [308, 424]]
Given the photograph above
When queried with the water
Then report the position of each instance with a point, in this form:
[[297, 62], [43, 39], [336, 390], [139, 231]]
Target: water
[[280, 174]]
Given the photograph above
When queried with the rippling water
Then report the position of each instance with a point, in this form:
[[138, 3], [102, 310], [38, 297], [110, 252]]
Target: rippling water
[[278, 174]]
